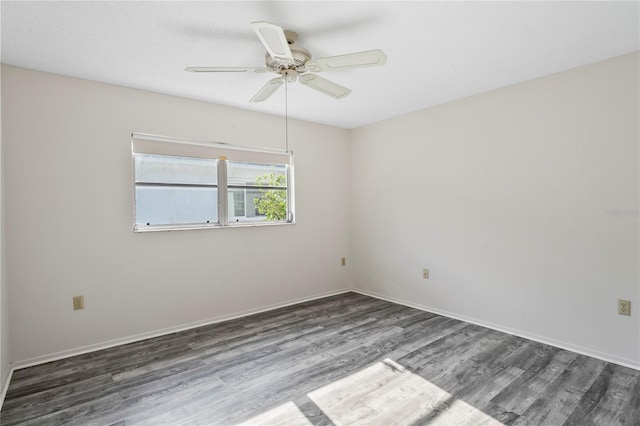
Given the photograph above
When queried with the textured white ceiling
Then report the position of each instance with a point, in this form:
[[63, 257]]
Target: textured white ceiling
[[437, 51]]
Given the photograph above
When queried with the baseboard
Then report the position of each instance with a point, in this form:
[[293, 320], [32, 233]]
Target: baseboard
[[5, 386], [536, 338], [138, 337]]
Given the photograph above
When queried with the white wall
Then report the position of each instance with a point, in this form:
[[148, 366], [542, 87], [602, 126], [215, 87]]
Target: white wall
[[68, 191], [505, 196], [4, 290]]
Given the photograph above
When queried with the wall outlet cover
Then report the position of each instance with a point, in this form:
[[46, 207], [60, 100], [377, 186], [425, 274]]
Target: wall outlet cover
[[624, 307], [78, 302]]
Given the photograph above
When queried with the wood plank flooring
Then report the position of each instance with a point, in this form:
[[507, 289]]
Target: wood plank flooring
[[342, 360]]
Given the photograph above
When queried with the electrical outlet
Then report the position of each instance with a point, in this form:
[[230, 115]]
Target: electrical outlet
[[425, 274], [78, 302], [343, 262], [624, 307]]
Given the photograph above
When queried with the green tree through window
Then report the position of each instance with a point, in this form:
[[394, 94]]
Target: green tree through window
[[272, 202]]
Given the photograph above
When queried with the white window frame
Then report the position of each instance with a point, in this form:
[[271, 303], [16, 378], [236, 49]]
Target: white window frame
[[160, 145]]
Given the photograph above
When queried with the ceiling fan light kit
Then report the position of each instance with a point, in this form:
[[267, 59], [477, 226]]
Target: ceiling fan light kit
[[294, 63]]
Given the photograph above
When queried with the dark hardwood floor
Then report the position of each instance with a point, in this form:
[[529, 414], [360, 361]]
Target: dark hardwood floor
[[346, 359]]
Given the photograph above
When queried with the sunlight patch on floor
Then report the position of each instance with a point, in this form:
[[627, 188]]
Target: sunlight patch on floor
[[384, 393], [286, 414]]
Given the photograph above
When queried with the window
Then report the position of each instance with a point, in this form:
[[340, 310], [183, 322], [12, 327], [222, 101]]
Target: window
[[175, 190], [257, 192], [185, 185]]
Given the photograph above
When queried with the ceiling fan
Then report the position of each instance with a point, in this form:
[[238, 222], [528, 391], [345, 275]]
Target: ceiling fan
[[294, 63]]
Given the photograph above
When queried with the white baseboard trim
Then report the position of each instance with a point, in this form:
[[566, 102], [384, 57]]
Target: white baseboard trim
[[5, 386], [138, 337], [536, 338]]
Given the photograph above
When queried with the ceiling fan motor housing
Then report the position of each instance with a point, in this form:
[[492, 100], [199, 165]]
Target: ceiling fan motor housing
[[300, 58]]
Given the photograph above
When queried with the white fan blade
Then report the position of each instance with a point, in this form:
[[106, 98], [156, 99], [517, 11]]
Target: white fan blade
[[267, 90], [325, 86], [370, 58], [274, 40], [226, 69]]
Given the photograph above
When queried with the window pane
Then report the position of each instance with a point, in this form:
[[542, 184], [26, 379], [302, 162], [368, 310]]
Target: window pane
[[263, 205], [168, 169], [157, 205], [247, 201], [257, 174], [168, 190]]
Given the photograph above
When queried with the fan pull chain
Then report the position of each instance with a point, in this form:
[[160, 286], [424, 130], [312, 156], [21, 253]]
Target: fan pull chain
[[286, 114]]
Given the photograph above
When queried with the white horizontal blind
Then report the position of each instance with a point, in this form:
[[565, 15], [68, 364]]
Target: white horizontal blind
[[149, 144]]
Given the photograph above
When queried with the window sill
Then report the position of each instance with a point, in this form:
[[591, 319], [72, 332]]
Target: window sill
[[207, 226]]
